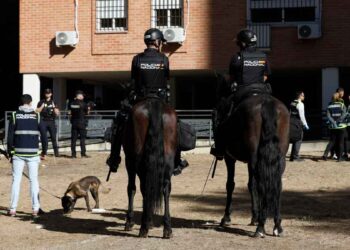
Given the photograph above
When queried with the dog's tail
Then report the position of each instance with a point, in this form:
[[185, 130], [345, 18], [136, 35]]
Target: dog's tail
[[105, 190]]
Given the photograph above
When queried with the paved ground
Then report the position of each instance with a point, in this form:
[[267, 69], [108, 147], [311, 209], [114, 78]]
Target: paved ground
[[316, 202]]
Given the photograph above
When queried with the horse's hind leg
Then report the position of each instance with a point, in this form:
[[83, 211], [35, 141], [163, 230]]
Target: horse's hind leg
[[230, 186], [146, 217], [167, 232], [278, 230], [131, 193], [253, 194]]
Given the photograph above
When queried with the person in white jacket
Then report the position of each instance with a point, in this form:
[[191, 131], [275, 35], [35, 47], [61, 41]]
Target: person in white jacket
[[297, 112]]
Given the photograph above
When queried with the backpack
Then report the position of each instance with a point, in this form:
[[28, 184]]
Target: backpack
[[187, 136]]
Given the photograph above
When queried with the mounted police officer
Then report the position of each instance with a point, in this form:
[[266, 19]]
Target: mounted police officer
[[336, 114], [149, 74], [48, 111], [78, 110], [23, 148], [249, 71]]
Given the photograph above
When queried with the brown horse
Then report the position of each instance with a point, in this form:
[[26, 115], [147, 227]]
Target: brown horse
[[150, 142], [258, 133]]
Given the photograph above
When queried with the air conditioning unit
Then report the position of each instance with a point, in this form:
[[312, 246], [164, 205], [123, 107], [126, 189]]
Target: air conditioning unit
[[174, 35], [67, 38], [309, 31]]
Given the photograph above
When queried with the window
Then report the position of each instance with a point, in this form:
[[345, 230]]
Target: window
[[283, 11], [167, 13], [266, 15], [299, 14], [111, 15]]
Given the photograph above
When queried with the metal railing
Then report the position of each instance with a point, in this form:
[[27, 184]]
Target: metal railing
[[100, 120]]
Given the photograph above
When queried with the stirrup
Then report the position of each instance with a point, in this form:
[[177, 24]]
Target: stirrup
[[216, 153]]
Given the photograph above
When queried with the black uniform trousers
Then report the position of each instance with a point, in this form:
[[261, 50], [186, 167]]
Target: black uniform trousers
[[296, 147], [78, 130], [48, 126], [336, 140]]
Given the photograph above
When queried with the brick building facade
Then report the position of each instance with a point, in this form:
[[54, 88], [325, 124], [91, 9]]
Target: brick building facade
[[101, 60]]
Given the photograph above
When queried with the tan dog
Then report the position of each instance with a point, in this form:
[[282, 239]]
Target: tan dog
[[80, 189]]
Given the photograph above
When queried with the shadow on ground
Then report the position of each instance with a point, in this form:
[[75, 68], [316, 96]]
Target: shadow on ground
[[55, 221], [321, 211]]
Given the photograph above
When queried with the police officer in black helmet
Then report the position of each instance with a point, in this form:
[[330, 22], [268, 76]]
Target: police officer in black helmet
[[150, 69], [149, 75], [249, 68], [249, 71]]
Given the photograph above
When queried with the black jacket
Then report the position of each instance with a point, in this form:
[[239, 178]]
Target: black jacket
[[150, 70]]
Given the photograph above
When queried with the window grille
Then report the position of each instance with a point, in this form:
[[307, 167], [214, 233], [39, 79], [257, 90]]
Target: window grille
[[167, 13], [264, 14], [284, 11], [111, 15]]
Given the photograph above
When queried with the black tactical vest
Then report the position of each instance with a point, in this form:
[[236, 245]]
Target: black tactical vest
[[151, 71], [48, 111], [336, 110], [294, 112], [26, 140], [78, 112], [253, 65]]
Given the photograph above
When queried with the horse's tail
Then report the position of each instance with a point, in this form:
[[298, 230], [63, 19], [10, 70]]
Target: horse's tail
[[269, 165], [154, 158]]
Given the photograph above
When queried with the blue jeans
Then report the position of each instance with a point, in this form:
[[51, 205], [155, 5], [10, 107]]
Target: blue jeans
[[17, 170]]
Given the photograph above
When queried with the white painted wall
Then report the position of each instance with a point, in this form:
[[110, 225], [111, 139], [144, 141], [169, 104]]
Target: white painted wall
[[31, 86]]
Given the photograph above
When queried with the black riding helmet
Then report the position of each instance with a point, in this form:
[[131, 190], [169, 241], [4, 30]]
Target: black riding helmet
[[152, 35], [247, 37]]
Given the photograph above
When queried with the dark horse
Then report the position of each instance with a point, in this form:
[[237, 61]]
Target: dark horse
[[149, 142], [258, 133]]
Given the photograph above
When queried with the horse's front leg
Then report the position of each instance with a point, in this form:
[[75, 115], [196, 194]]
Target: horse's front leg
[[230, 186], [131, 194]]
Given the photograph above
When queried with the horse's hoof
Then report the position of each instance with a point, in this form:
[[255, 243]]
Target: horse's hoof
[[143, 233], [278, 232], [225, 222], [259, 233], [167, 234], [253, 222], [129, 226]]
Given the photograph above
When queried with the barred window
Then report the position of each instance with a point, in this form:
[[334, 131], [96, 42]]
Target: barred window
[[111, 15], [167, 13], [283, 11]]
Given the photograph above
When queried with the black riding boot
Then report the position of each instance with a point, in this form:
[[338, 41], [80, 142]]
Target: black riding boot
[[179, 164], [217, 149], [114, 158]]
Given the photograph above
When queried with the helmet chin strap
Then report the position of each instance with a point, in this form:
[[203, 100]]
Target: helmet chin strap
[[156, 44]]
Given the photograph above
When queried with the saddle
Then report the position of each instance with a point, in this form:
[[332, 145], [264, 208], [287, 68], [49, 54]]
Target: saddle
[[246, 91]]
